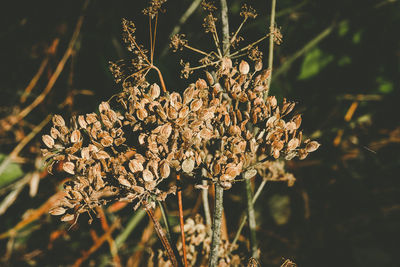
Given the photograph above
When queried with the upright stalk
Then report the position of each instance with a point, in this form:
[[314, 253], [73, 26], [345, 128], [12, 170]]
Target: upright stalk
[[252, 220], [271, 44], [216, 228]]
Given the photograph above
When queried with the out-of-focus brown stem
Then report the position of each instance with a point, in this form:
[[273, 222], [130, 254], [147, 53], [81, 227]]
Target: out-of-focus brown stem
[[182, 224], [34, 80]]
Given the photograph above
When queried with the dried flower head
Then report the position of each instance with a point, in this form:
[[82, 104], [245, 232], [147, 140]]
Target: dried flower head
[[248, 12], [154, 8]]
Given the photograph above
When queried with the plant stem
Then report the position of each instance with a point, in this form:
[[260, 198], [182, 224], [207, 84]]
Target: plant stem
[[252, 220], [133, 222], [271, 44], [216, 229], [181, 222], [204, 195], [165, 219], [225, 28], [244, 218]]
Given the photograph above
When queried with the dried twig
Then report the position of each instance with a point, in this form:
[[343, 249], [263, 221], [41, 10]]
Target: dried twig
[[216, 229], [252, 220], [271, 44]]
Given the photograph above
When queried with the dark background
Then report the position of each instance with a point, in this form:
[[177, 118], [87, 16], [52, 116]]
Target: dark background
[[343, 209]]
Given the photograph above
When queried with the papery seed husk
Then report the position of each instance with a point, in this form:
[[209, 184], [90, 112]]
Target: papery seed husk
[[164, 169], [57, 211], [107, 141], [48, 141], [244, 67], [102, 155], [54, 133], [201, 84], [291, 155], [119, 141], [210, 78], [196, 105], [67, 217], [104, 106], [293, 143], [258, 65], [141, 114], [275, 153], [135, 165], [184, 112], [206, 134], [69, 167], [75, 136], [188, 165], [172, 113], [188, 94], [250, 174], [147, 175], [58, 120], [154, 91], [312, 146], [82, 122], [138, 189], [91, 118], [272, 101], [123, 181]]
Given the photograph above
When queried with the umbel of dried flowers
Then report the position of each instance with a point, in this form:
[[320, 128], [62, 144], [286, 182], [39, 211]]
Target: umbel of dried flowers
[[218, 129]]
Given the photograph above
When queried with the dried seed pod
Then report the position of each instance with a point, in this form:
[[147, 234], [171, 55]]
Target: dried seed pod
[[188, 94], [54, 133], [91, 118], [69, 167], [58, 121], [244, 67], [293, 143], [67, 217], [196, 105], [188, 165], [312, 146], [107, 141], [206, 134], [172, 113], [104, 106], [258, 65], [141, 114], [184, 112], [135, 166], [57, 211], [154, 91], [164, 169], [250, 174], [123, 181], [210, 78], [201, 84], [138, 189], [48, 141], [147, 175], [75, 136]]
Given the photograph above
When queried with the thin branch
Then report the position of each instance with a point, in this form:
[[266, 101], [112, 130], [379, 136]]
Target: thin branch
[[216, 229], [206, 206], [181, 222], [34, 80], [22, 144], [56, 73], [271, 44], [244, 218], [252, 220], [225, 28]]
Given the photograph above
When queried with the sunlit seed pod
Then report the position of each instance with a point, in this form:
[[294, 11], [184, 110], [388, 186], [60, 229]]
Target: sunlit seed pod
[[291, 126], [175, 100], [258, 65], [113, 116], [187, 134], [201, 84], [48, 141], [196, 105], [107, 141], [147, 175], [234, 129], [67, 217], [141, 114], [119, 141], [312, 146], [75, 136], [58, 121], [270, 121], [172, 113], [181, 122], [57, 211], [142, 138], [184, 112], [250, 174], [291, 155], [226, 185], [226, 63], [102, 155], [85, 153], [135, 165], [69, 167], [210, 78], [216, 168], [166, 130], [272, 101], [164, 169], [275, 153], [154, 91], [265, 74], [206, 134], [259, 88], [232, 172], [91, 118], [103, 107], [138, 189], [54, 133], [292, 144], [188, 165], [216, 88], [82, 122], [188, 94], [244, 67], [302, 154], [227, 120], [123, 181], [297, 119]]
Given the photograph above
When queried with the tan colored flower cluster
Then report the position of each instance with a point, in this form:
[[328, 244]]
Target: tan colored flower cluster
[[198, 242]]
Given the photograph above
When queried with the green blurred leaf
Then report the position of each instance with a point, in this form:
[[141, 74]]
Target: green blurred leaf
[[313, 63], [385, 86], [343, 27], [12, 172], [357, 37], [279, 206]]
